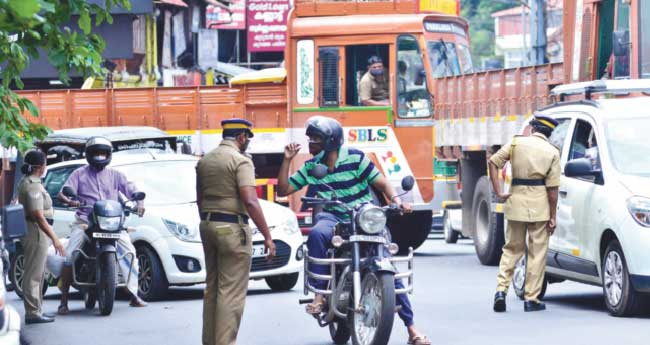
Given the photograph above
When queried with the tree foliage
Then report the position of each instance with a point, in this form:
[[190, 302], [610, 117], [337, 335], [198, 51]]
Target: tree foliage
[[481, 25], [28, 27]]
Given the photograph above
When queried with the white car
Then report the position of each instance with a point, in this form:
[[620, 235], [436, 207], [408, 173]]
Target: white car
[[603, 215], [167, 238], [9, 317]]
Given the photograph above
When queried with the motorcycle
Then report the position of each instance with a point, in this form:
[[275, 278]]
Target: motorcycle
[[361, 283], [94, 271]]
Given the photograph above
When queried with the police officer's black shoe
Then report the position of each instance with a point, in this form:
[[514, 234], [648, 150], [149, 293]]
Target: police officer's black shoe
[[499, 302], [534, 306], [38, 319]]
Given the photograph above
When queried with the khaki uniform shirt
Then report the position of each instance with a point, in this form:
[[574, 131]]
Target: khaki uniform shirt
[[533, 157], [221, 172], [373, 88], [33, 196]]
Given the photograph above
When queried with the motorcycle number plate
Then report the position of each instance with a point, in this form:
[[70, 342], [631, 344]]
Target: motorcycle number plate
[[105, 235], [259, 251], [366, 238]]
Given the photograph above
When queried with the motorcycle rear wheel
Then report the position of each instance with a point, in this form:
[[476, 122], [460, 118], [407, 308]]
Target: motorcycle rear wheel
[[106, 283], [373, 325]]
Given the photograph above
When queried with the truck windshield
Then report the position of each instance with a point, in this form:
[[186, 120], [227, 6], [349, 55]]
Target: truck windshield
[[443, 58], [644, 42], [629, 146]]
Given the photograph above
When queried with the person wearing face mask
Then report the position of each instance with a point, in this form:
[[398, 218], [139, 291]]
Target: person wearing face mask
[[92, 183], [373, 87], [226, 197], [39, 218]]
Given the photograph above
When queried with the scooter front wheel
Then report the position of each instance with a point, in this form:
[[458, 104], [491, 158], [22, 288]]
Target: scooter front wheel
[[373, 322], [106, 282]]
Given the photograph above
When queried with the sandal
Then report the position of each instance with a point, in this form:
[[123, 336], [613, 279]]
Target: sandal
[[419, 340], [63, 309], [315, 308]]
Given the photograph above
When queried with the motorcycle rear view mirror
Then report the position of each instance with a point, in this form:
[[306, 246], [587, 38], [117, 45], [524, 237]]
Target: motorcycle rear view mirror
[[138, 196], [407, 183], [67, 191], [318, 171]]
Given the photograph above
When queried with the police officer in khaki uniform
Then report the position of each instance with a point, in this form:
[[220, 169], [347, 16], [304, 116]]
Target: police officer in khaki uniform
[[38, 213], [226, 196], [373, 87], [530, 207]]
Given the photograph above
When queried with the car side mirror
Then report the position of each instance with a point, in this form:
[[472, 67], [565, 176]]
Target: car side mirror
[[580, 167], [67, 191], [407, 183], [318, 171], [621, 43], [138, 196]]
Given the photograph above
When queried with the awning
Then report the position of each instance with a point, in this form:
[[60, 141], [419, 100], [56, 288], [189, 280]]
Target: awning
[[179, 3]]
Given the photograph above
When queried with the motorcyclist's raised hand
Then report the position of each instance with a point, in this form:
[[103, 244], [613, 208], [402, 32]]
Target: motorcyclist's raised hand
[[291, 150], [270, 249]]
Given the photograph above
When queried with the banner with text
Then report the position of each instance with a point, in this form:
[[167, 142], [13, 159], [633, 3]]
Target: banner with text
[[267, 25], [219, 18]]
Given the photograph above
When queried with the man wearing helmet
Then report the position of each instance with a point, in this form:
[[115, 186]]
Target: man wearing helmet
[[351, 173], [91, 183], [530, 208]]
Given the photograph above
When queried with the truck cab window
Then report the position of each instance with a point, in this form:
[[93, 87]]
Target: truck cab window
[[443, 59], [622, 62], [413, 96], [367, 75]]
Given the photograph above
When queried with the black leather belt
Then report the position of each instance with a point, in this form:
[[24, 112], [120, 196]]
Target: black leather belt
[[527, 182], [223, 217]]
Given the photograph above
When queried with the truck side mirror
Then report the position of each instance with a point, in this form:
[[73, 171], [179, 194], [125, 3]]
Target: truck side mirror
[[420, 77], [621, 43]]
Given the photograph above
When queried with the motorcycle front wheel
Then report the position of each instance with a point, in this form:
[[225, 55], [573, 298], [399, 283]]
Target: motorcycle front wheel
[[106, 282], [339, 331], [373, 323]]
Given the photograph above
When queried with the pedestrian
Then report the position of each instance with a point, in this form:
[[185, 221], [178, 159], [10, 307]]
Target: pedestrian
[[39, 218], [226, 195], [529, 208]]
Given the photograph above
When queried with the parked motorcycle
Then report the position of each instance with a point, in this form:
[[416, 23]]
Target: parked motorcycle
[[361, 282], [94, 272]]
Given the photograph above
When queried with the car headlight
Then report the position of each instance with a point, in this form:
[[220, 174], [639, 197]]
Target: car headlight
[[182, 231], [371, 219], [639, 208], [109, 223]]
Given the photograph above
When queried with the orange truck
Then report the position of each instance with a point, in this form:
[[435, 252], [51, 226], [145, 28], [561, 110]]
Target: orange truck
[[328, 46], [477, 113]]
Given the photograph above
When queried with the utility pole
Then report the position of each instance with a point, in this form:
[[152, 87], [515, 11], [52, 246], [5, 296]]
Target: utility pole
[[538, 31]]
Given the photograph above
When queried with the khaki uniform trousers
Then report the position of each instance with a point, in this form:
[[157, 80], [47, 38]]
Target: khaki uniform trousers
[[514, 249], [35, 246], [227, 248]]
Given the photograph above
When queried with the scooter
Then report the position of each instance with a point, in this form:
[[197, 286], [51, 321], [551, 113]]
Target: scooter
[[94, 271]]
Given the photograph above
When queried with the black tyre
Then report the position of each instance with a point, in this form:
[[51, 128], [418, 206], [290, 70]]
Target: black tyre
[[374, 325], [284, 282], [620, 297], [519, 280], [339, 331], [106, 282], [90, 298], [152, 282], [17, 270], [451, 235], [488, 238]]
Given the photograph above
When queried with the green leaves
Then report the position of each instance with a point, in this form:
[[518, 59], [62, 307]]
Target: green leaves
[[29, 25]]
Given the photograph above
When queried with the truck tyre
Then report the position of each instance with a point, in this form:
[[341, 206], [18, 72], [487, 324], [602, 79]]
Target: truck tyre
[[488, 238], [451, 235]]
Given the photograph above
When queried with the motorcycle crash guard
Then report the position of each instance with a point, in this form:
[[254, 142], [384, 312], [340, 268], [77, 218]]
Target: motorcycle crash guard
[[375, 264]]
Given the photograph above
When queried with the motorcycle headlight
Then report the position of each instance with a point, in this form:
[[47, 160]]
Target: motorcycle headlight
[[109, 223], [371, 219], [639, 208], [182, 231]]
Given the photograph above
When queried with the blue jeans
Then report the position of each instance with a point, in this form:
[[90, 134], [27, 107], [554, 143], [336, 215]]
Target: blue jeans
[[320, 240]]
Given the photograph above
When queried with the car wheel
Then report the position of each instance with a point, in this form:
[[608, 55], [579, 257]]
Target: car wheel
[[620, 297], [284, 282], [519, 280], [17, 272], [451, 235], [152, 282]]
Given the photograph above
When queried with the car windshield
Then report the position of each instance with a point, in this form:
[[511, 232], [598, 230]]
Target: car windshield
[[629, 146], [164, 182]]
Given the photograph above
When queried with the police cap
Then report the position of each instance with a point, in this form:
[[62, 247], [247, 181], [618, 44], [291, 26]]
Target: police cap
[[541, 120], [232, 127]]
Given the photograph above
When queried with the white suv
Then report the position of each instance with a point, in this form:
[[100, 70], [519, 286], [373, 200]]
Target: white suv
[[167, 238], [603, 216]]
